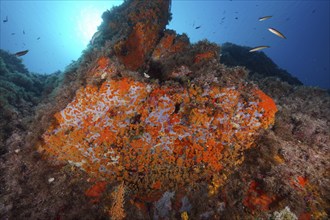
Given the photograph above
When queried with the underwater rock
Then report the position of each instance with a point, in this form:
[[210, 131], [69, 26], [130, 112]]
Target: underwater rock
[[125, 128], [258, 64], [291, 168], [128, 126], [186, 126], [195, 139], [20, 91], [12, 63]]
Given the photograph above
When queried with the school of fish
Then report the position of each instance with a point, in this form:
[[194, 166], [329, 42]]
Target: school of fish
[[272, 30], [254, 49]]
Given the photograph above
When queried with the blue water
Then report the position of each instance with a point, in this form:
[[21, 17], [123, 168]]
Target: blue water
[[55, 32]]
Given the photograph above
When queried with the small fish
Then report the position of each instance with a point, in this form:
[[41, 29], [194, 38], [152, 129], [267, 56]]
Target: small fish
[[38, 38], [146, 75], [265, 18], [12, 33], [258, 48], [6, 20], [236, 18], [198, 27], [276, 32], [23, 32], [96, 35], [21, 53]]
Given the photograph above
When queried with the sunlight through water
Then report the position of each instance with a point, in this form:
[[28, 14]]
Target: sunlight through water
[[89, 20]]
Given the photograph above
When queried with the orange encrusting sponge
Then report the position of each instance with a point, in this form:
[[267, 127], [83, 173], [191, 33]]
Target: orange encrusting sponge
[[128, 128]]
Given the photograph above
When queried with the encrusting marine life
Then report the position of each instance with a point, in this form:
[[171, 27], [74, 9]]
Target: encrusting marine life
[[148, 122], [146, 75]]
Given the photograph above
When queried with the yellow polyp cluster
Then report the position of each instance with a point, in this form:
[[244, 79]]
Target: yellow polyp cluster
[[184, 216], [171, 135]]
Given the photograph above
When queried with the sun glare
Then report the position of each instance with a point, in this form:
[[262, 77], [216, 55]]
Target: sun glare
[[90, 20]]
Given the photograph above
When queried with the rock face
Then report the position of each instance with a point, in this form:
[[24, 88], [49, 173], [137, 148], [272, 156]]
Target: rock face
[[20, 92], [192, 127], [258, 64], [126, 128], [146, 125]]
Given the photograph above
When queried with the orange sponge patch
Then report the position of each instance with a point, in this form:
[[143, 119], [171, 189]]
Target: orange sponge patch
[[126, 128]]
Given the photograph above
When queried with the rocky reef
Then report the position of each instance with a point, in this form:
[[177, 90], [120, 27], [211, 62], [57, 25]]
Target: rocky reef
[[146, 125], [258, 64], [21, 92]]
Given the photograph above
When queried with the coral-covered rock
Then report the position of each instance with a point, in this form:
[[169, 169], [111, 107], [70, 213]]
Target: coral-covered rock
[[148, 20], [169, 44], [126, 127], [189, 131], [147, 125]]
